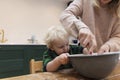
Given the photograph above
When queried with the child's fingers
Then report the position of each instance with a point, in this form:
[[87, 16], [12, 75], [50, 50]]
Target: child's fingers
[[85, 51]]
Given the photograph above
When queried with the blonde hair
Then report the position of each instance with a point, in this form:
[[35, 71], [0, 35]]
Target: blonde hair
[[113, 6], [55, 33]]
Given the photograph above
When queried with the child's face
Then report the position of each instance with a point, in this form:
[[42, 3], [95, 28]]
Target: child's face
[[61, 46]]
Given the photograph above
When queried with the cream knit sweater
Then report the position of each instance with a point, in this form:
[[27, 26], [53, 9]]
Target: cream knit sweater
[[104, 25]]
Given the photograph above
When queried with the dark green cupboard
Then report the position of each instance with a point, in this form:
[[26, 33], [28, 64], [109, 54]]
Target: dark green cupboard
[[14, 59]]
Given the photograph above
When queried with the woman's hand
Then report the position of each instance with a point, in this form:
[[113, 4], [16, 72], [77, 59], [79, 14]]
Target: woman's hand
[[104, 48], [87, 39], [63, 58]]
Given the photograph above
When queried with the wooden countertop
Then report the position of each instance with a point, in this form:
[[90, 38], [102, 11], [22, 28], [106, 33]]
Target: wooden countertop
[[67, 75]]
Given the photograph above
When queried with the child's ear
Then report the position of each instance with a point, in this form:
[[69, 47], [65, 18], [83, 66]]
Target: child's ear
[[52, 48]]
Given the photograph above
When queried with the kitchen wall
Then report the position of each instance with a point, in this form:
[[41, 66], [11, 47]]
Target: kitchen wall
[[22, 19]]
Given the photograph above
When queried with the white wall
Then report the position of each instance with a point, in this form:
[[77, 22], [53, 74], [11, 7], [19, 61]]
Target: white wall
[[21, 19]]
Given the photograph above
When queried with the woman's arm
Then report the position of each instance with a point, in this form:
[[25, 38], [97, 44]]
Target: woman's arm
[[77, 27], [70, 15]]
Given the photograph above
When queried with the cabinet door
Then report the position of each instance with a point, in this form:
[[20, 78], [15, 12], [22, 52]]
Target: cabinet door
[[12, 61]]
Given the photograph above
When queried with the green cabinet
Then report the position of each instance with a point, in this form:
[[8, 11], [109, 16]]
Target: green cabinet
[[14, 59]]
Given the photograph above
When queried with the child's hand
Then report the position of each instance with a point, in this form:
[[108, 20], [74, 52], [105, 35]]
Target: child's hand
[[54, 64], [63, 58], [85, 51]]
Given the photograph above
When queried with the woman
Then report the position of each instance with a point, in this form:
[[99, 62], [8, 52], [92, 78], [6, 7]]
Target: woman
[[98, 26]]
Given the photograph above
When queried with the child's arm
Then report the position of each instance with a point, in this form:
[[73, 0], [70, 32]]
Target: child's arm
[[55, 63]]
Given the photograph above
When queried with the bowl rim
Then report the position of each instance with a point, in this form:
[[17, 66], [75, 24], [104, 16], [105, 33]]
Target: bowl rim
[[94, 54]]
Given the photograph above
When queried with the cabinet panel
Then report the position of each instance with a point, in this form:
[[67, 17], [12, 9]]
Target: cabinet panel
[[11, 67], [14, 59]]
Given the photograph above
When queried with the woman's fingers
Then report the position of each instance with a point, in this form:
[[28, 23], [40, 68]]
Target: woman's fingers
[[92, 48], [87, 39], [84, 36], [104, 48]]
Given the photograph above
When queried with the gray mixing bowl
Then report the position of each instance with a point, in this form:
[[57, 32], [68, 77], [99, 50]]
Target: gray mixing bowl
[[95, 66]]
